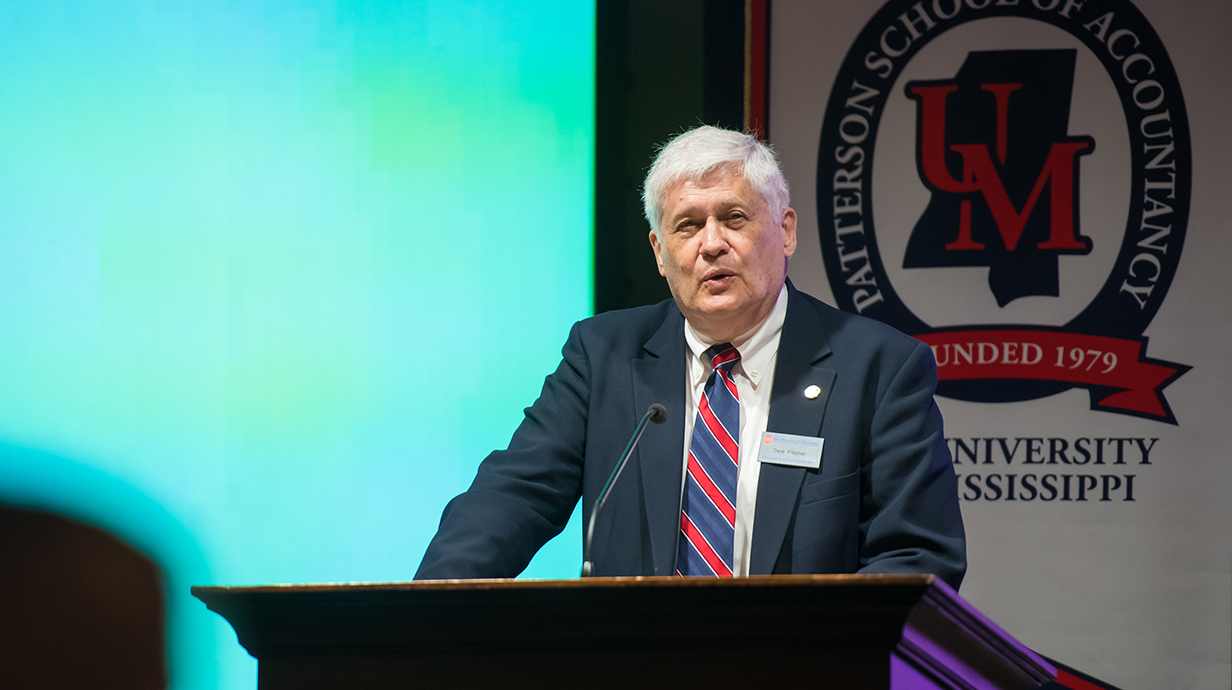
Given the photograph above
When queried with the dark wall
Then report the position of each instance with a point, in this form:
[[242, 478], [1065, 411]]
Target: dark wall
[[663, 66]]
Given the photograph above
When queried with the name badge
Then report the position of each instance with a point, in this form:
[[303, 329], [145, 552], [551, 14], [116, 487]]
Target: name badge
[[789, 449]]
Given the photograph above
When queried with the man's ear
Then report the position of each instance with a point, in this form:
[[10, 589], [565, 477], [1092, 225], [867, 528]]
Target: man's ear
[[654, 244], [789, 232]]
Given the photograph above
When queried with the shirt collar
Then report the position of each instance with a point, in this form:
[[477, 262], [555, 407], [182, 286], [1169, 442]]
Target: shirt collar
[[757, 347]]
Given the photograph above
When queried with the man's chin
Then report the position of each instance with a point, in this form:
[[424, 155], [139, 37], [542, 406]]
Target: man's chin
[[715, 317], [719, 307]]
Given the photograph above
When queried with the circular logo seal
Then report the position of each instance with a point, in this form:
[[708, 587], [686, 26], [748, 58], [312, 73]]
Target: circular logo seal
[[1009, 181]]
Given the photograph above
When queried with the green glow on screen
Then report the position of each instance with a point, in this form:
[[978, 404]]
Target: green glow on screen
[[275, 276]]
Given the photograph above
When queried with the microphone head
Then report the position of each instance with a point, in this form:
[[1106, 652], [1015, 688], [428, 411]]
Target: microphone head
[[658, 413]]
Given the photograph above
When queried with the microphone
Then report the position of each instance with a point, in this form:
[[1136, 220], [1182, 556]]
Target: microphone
[[655, 413]]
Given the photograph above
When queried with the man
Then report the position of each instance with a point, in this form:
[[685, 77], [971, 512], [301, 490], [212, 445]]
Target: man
[[799, 438]]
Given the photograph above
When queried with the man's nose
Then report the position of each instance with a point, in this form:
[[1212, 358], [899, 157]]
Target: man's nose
[[714, 242]]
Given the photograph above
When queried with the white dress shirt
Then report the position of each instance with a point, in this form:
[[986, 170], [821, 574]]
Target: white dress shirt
[[754, 377]]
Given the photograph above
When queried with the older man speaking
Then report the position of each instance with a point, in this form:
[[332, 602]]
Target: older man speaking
[[799, 438]]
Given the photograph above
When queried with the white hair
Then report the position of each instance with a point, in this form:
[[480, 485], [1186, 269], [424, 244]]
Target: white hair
[[693, 154]]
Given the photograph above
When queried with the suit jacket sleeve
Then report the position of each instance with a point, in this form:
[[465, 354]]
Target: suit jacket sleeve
[[522, 496], [909, 514]]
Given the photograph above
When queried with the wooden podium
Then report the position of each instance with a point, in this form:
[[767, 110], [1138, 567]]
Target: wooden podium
[[789, 632]]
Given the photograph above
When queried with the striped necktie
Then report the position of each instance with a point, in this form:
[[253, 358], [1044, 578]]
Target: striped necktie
[[708, 508]]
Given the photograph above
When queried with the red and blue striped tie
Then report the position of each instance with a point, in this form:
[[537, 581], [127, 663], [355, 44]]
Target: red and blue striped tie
[[708, 508]]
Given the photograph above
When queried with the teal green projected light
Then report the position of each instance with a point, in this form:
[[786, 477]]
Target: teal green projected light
[[257, 261]]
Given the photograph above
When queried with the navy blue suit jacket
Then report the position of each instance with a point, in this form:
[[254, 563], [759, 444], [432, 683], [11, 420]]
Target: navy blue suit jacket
[[883, 501]]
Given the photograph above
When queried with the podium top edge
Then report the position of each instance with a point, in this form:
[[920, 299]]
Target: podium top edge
[[919, 580]]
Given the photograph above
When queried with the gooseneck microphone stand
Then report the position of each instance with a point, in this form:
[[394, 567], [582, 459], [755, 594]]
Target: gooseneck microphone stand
[[656, 413]]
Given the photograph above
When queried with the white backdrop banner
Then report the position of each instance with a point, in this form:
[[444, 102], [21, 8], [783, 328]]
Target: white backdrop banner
[[1040, 190]]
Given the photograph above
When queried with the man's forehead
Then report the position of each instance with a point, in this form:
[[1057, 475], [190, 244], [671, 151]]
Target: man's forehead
[[718, 184]]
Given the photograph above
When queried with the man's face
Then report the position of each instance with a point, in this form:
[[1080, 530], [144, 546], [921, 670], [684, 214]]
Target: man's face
[[724, 257]]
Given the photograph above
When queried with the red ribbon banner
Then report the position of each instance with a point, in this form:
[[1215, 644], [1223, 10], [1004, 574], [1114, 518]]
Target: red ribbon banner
[[1135, 382]]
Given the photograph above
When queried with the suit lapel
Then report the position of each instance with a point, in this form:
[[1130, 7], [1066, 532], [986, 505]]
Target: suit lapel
[[659, 377], [802, 345]]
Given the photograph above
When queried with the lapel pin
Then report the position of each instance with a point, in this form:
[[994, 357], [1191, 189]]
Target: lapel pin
[[812, 392]]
